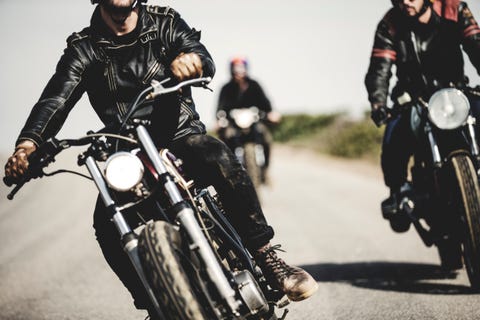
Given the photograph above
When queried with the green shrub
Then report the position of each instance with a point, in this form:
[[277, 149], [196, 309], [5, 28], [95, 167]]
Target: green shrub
[[332, 134], [356, 139], [301, 125]]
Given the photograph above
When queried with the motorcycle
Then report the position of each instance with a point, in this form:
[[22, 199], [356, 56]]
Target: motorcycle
[[189, 258], [442, 198], [245, 139]]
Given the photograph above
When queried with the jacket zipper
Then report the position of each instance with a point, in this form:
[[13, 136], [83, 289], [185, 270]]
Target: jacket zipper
[[151, 72], [113, 87]]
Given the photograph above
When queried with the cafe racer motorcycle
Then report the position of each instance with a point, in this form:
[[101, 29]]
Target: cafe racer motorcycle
[[246, 140], [442, 199], [189, 258]]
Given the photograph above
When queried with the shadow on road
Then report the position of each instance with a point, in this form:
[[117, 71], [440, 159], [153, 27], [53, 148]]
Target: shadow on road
[[389, 276]]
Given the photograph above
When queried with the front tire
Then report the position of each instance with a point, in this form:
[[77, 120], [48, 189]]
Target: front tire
[[253, 170], [160, 246], [469, 190]]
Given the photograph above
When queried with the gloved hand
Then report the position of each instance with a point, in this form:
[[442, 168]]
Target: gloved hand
[[379, 115]]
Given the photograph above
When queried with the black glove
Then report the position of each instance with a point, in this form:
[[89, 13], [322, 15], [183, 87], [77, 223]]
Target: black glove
[[379, 115]]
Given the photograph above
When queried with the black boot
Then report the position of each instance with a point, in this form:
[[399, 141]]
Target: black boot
[[399, 220]]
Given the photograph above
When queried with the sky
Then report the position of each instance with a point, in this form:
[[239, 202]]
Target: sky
[[309, 55]]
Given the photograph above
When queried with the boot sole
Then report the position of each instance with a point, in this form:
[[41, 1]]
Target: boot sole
[[304, 295]]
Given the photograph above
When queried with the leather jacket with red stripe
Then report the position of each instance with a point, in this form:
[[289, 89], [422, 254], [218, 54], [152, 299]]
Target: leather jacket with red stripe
[[426, 56], [113, 70]]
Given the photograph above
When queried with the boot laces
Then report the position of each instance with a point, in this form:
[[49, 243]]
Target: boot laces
[[275, 266]]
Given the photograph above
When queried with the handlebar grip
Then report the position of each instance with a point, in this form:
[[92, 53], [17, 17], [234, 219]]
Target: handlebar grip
[[14, 191], [8, 181]]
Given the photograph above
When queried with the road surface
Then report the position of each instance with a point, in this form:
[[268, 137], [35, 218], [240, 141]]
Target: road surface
[[326, 216]]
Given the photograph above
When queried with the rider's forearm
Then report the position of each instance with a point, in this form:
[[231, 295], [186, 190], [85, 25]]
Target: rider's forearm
[[383, 57], [58, 98], [181, 38]]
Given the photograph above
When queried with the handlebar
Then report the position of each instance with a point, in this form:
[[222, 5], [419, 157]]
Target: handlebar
[[45, 154], [158, 88]]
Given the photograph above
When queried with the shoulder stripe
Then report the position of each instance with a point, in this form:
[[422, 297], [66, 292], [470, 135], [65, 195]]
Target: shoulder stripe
[[384, 53]]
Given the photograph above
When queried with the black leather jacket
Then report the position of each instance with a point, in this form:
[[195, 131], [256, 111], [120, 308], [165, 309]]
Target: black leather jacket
[[113, 70], [427, 56], [231, 97]]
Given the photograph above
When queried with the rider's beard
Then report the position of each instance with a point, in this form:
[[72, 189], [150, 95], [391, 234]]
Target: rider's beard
[[410, 11], [119, 10]]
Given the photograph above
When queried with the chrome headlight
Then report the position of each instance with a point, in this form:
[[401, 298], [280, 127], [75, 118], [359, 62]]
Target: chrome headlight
[[123, 171], [244, 118], [448, 108]]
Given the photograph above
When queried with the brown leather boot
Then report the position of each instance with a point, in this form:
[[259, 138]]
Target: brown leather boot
[[295, 282]]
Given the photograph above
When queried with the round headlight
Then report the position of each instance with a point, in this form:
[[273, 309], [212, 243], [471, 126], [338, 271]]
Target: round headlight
[[123, 171], [448, 108], [244, 118]]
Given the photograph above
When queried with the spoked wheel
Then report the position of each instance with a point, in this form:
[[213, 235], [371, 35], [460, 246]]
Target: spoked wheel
[[469, 191], [160, 248]]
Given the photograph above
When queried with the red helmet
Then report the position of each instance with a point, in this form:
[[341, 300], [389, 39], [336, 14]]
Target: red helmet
[[237, 63]]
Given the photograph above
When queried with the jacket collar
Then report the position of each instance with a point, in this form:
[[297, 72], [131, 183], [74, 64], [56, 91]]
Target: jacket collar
[[146, 30]]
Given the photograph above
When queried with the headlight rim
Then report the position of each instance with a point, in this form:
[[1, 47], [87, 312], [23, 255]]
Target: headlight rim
[[136, 161], [440, 122]]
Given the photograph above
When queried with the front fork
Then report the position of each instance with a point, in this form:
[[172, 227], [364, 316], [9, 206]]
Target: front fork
[[127, 236], [185, 216], [471, 122], [437, 158]]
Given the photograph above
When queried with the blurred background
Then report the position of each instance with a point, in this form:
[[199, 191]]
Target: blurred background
[[310, 56]]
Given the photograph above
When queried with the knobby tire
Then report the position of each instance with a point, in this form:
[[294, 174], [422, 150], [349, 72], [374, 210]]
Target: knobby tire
[[159, 247]]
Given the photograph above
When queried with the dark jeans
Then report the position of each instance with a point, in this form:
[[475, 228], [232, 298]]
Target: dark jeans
[[398, 146], [209, 162]]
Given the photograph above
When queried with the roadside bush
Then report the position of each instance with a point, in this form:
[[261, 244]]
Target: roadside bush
[[356, 139], [331, 134], [301, 125]]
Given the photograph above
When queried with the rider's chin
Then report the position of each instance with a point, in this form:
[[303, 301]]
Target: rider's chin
[[119, 19]]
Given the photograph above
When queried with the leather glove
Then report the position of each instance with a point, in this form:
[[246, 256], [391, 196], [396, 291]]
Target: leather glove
[[17, 164], [379, 115]]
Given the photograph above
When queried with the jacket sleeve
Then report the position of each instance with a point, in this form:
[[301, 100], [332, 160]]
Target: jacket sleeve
[[383, 57], [181, 38], [263, 103], [59, 96], [470, 35], [222, 103]]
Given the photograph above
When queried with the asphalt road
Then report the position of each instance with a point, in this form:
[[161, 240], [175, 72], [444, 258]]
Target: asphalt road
[[325, 213]]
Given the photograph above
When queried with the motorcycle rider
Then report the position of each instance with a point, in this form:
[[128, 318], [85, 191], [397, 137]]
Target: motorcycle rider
[[126, 46], [244, 92], [424, 40]]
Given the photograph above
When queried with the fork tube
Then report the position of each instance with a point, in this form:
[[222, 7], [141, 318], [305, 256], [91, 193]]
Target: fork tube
[[437, 158], [187, 220], [157, 162], [473, 138], [97, 176]]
